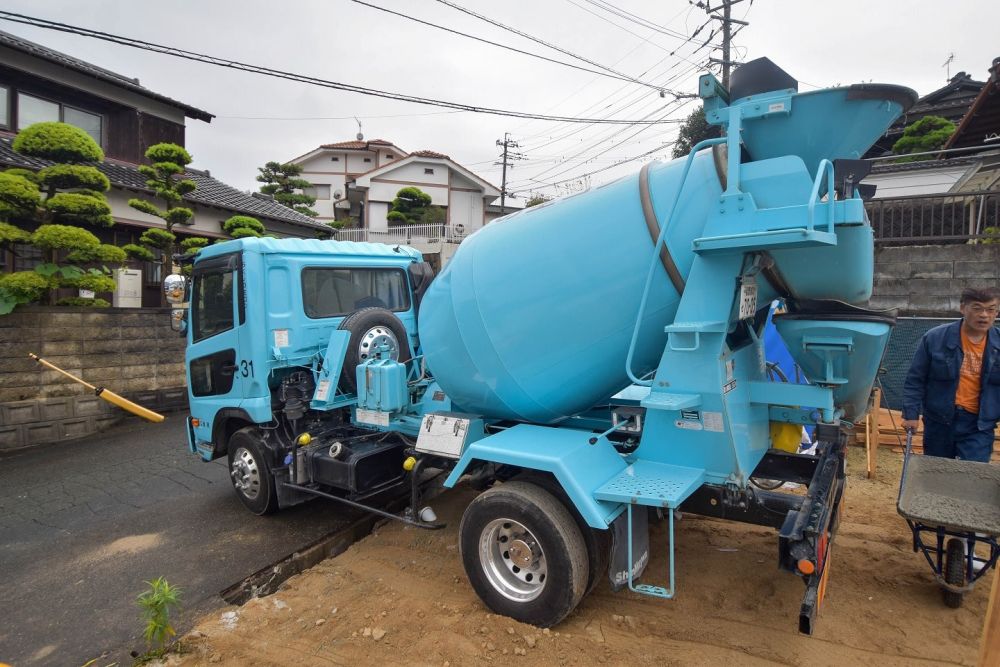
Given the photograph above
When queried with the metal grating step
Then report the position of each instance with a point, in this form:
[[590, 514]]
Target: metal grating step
[[650, 483]]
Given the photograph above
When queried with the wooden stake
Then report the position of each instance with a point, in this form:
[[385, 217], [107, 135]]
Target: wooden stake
[[872, 432], [989, 644]]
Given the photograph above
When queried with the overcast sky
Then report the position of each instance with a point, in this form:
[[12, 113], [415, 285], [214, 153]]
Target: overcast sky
[[260, 118]]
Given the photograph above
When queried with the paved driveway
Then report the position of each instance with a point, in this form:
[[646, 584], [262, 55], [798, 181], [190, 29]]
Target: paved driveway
[[83, 524]]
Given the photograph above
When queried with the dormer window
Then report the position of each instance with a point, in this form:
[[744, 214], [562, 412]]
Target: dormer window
[[389, 156]]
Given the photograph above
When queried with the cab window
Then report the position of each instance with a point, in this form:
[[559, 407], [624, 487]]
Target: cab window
[[212, 304], [332, 292]]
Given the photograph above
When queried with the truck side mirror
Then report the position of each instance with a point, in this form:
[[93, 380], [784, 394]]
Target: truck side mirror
[[175, 289]]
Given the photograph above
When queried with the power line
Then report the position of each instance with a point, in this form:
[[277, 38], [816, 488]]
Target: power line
[[291, 76], [609, 73], [638, 20], [398, 115], [543, 43]]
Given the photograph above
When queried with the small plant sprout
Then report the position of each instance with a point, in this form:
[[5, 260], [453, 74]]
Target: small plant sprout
[[156, 604]]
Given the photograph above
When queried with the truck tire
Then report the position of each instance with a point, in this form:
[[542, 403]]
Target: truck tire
[[250, 472], [954, 571], [524, 554], [369, 328]]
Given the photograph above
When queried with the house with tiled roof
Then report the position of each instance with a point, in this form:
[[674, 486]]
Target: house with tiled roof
[[356, 181], [125, 118]]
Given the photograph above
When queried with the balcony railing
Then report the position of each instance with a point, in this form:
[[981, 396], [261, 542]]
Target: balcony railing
[[918, 219], [405, 234]]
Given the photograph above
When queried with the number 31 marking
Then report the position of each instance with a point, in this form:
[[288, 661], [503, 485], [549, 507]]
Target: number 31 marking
[[246, 368]]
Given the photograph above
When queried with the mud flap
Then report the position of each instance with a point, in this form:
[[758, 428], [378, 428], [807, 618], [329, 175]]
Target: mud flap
[[618, 573]]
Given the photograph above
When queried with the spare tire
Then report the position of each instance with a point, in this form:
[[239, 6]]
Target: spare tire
[[371, 328]]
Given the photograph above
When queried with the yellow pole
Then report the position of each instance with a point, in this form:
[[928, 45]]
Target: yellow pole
[[108, 395]]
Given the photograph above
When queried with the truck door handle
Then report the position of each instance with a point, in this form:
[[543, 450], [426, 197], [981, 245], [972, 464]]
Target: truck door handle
[[228, 369]]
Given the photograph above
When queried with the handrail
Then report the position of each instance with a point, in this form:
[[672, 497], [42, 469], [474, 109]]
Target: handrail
[[656, 254], [824, 165]]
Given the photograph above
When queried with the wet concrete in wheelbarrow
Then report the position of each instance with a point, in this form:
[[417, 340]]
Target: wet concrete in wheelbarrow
[[964, 495]]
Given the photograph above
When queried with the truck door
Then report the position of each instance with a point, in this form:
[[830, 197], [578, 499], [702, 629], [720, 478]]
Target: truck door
[[217, 311]]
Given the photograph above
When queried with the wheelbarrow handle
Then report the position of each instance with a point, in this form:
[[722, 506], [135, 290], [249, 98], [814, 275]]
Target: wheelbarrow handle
[[907, 451]]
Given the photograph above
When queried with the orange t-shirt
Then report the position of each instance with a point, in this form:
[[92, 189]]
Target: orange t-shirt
[[970, 375]]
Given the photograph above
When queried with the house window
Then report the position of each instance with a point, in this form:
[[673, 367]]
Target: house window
[[428, 170], [368, 159], [335, 159], [31, 110], [5, 107], [88, 122], [389, 156], [26, 257], [318, 191]]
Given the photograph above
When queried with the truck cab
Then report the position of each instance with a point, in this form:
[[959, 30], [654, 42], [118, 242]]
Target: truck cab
[[262, 312]]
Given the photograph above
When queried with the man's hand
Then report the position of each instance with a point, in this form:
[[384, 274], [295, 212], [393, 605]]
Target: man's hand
[[911, 424]]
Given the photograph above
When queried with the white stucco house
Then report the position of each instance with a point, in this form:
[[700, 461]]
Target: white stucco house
[[357, 181]]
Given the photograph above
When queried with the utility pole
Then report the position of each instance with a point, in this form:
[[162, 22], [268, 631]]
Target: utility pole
[[506, 160], [727, 34]]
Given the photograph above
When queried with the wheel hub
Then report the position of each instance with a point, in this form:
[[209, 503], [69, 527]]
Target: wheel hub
[[520, 553], [376, 337], [513, 560], [245, 474]]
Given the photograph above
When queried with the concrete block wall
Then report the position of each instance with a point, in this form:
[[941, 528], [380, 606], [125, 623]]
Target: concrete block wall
[[927, 280], [132, 352]]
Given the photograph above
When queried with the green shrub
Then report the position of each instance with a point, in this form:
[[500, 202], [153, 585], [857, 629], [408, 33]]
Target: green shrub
[[178, 215], [244, 232], [11, 234], [396, 217], [25, 286], [104, 253], [242, 222], [168, 153], [992, 235], [81, 302], [18, 195], [133, 251], [76, 207], [68, 176], [193, 243], [154, 237], [94, 283], [64, 237], [23, 173], [59, 142]]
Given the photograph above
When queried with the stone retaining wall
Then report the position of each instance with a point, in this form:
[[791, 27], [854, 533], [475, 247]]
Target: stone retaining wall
[[131, 351], [926, 281]]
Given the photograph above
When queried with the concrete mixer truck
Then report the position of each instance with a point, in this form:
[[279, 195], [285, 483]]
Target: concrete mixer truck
[[590, 363]]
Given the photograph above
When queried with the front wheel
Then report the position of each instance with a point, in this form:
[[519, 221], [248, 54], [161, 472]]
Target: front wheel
[[250, 473], [954, 571], [524, 554]]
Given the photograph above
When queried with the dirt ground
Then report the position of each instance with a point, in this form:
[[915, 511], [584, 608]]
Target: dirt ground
[[400, 597]]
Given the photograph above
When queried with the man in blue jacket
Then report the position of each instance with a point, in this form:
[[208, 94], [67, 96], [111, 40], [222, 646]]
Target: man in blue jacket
[[954, 380]]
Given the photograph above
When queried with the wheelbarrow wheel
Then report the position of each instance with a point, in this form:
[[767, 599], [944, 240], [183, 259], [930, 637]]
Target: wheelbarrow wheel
[[954, 572]]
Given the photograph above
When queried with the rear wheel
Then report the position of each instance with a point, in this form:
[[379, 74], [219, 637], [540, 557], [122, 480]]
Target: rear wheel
[[954, 571], [250, 473], [524, 554]]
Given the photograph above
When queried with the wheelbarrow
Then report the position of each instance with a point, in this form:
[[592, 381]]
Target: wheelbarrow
[[951, 506]]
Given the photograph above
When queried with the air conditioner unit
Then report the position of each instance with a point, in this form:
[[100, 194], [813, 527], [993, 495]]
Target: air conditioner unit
[[128, 289]]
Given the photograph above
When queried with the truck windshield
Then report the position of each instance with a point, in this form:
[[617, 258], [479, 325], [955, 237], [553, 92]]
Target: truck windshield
[[212, 304], [331, 292]]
